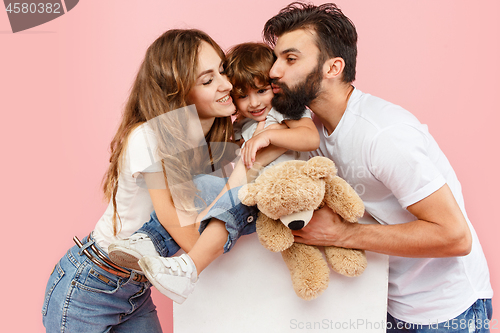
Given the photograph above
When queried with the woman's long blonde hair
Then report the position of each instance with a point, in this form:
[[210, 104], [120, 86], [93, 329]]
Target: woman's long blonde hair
[[163, 82]]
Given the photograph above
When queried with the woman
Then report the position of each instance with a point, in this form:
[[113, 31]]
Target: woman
[[86, 291]]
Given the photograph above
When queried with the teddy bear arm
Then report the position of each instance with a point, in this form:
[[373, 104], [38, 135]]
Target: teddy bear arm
[[343, 199], [273, 235]]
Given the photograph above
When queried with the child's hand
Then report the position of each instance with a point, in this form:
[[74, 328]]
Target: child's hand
[[252, 146], [258, 141]]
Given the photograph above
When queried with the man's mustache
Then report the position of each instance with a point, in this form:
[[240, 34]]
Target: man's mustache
[[274, 82]]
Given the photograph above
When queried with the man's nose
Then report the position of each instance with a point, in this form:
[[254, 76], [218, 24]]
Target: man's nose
[[275, 72]]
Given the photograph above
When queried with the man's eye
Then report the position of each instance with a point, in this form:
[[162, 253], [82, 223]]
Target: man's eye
[[289, 59]]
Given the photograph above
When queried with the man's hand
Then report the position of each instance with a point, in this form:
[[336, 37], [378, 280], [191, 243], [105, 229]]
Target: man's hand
[[326, 228]]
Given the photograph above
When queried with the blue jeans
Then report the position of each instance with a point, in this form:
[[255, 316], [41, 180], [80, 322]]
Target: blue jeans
[[475, 319], [81, 297], [237, 217]]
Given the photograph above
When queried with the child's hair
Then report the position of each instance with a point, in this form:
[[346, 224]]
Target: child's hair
[[247, 63], [164, 79]]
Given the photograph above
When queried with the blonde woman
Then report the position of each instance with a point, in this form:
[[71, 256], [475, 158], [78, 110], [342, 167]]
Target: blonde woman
[[87, 292]]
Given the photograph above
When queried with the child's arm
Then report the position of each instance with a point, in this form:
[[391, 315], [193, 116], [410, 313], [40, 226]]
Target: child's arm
[[301, 135]]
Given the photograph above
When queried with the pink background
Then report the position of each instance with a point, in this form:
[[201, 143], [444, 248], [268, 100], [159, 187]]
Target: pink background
[[63, 86]]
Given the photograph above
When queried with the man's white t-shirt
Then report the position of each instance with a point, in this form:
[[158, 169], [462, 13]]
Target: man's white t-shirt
[[392, 162], [133, 202]]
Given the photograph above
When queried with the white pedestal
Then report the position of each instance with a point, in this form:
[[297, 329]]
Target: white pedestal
[[249, 290]]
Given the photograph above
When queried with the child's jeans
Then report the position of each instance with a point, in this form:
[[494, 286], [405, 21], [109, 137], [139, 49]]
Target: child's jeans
[[239, 219]]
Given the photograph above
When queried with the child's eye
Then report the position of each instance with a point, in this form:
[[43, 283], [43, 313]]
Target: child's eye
[[262, 91], [242, 96]]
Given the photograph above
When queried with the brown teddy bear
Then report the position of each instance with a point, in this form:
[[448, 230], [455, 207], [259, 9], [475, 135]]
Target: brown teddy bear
[[291, 191]]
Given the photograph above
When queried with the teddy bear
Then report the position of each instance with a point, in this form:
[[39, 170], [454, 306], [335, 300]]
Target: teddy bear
[[286, 195]]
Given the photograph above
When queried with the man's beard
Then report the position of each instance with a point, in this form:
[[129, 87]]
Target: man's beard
[[292, 102]]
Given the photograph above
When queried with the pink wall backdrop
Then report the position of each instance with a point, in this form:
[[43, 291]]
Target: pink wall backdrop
[[63, 86]]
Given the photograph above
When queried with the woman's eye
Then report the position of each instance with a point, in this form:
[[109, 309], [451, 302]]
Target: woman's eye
[[208, 82]]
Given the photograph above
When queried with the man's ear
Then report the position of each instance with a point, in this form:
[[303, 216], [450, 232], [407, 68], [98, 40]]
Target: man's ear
[[333, 67]]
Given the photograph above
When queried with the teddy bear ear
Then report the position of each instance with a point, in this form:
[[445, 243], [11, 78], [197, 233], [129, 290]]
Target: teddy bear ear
[[319, 167], [247, 194]]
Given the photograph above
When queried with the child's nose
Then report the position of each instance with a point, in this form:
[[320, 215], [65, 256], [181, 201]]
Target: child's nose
[[254, 101]]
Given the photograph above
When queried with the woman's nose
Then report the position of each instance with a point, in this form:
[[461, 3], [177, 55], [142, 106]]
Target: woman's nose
[[225, 84]]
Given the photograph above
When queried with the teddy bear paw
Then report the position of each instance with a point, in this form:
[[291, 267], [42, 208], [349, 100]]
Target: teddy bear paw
[[348, 262]]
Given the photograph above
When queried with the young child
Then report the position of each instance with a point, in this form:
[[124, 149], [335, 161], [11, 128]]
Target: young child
[[247, 69]]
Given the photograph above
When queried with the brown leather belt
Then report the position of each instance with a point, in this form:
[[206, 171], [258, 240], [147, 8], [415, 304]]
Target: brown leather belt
[[104, 263]]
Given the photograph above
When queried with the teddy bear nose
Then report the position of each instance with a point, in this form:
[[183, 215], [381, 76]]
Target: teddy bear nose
[[296, 224]]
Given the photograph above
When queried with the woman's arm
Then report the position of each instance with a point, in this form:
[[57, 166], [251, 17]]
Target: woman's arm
[[241, 175], [179, 224], [183, 227], [301, 135]]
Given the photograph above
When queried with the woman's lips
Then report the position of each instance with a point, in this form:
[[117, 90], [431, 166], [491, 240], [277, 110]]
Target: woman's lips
[[225, 100]]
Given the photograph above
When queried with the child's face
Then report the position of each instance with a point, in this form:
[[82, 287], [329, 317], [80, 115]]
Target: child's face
[[256, 103]]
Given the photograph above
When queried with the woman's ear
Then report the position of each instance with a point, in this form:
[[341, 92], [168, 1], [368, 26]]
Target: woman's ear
[[333, 67]]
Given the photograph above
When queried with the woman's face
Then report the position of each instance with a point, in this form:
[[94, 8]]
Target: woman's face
[[210, 92]]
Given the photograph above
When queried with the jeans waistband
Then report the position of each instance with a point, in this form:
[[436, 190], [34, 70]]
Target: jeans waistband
[[95, 255]]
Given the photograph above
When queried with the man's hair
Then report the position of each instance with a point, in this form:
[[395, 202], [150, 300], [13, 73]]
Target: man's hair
[[247, 63], [336, 34]]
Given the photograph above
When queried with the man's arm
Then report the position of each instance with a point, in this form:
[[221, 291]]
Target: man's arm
[[439, 231], [300, 135]]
